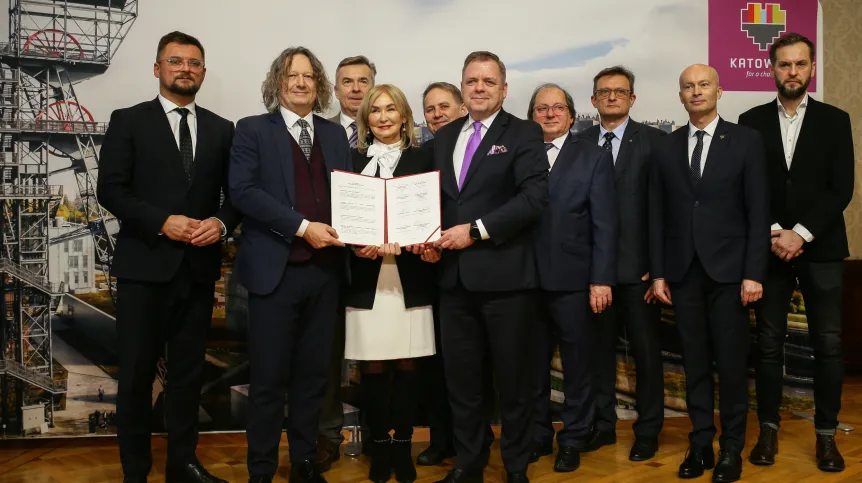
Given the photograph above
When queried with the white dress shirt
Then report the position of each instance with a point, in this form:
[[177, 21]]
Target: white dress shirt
[[707, 141], [617, 141], [174, 119], [292, 120], [790, 128], [555, 150], [461, 149], [345, 123]]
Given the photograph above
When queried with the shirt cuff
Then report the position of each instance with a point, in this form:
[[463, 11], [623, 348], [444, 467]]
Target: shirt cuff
[[776, 226], [482, 230], [804, 233], [223, 233], [302, 227]]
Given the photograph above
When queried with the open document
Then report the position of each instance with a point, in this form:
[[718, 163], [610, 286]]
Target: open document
[[373, 211]]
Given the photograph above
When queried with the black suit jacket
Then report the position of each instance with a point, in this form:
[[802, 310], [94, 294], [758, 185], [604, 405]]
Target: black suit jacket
[[418, 278], [577, 234], [724, 220], [142, 182], [508, 191], [631, 172], [263, 189], [819, 184]]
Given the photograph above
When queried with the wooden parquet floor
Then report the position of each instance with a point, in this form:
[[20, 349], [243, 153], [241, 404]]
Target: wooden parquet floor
[[96, 459]]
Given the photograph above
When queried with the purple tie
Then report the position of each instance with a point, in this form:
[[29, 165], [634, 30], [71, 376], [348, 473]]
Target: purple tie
[[472, 145]]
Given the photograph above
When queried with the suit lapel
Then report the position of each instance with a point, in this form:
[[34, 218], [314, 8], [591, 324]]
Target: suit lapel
[[717, 148], [282, 141], [627, 145], [494, 132], [326, 148], [682, 160], [203, 126], [165, 137], [444, 149], [564, 161], [806, 134]]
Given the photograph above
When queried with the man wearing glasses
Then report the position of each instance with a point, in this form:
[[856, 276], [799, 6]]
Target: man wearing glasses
[[163, 169], [576, 258], [630, 143]]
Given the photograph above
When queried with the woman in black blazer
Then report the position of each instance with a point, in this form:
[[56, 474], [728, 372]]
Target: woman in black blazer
[[389, 319]]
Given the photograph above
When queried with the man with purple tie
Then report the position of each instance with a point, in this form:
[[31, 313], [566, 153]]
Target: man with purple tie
[[494, 177]]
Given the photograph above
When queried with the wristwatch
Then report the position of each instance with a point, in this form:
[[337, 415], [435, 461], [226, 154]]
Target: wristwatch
[[475, 234]]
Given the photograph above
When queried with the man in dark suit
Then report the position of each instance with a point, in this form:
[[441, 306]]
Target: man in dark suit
[[576, 259], [709, 242], [442, 103], [494, 177], [811, 183], [289, 258], [353, 77], [164, 165], [631, 144]]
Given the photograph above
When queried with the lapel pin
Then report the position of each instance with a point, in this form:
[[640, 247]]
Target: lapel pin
[[721, 137]]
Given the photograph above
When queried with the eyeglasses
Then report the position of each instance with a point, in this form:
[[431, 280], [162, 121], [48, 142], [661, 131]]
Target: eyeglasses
[[605, 93], [177, 63], [557, 108]]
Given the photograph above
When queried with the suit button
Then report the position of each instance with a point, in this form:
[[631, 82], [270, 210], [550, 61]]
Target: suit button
[[460, 202], [697, 203], [789, 182]]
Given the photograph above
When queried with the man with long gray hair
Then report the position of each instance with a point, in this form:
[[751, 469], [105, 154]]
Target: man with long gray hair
[[289, 258]]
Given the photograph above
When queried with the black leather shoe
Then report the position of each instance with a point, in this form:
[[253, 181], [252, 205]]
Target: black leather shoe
[[434, 455], [728, 468], [763, 453], [463, 476], [260, 479], [598, 439], [696, 460], [328, 452], [484, 457], [828, 457], [540, 450], [135, 479], [643, 449], [189, 473], [517, 477], [568, 460], [305, 472]]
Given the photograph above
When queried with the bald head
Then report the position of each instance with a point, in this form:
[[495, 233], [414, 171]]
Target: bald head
[[699, 92]]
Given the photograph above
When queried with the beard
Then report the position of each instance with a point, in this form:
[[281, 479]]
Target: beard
[[793, 93], [184, 90]]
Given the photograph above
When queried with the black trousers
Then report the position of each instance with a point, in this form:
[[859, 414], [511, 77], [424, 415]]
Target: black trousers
[[149, 315], [564, 318], [640, 323], [332, 413], [435, 396], [821, 284], [473, 324], [713, 326], [290, 344]]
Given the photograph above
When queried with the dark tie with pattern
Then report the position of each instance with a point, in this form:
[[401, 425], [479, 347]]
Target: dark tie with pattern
[[695, 158], [609, 136], [549, 146], [305, 139], [186, 151], [354, 135]]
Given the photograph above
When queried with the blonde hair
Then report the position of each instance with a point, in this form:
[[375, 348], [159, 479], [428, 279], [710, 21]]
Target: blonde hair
[[401, 105], [271, 88]]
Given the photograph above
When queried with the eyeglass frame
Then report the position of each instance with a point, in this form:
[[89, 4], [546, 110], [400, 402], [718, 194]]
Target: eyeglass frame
[[619, 93], [180, 62], [558, 109]]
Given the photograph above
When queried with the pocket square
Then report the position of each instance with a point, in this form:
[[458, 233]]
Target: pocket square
[[497, 150]]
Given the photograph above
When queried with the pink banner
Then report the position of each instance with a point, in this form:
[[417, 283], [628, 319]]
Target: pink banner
[[741, 32]]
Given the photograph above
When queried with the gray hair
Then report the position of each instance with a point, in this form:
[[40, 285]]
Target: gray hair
[[271, 88], [550, 85]]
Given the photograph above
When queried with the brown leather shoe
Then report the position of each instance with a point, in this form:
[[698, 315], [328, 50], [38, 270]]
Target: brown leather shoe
[[327, 453]]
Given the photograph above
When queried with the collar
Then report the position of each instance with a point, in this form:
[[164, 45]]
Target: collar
[[290, 117], [618, 131], [486, 123], [558, 143], [169, 106], [345, 120], [377, 148], [802, 106], [710, 128]]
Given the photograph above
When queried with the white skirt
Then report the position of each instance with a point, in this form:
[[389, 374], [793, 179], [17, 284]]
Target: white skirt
[[389, 330]]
